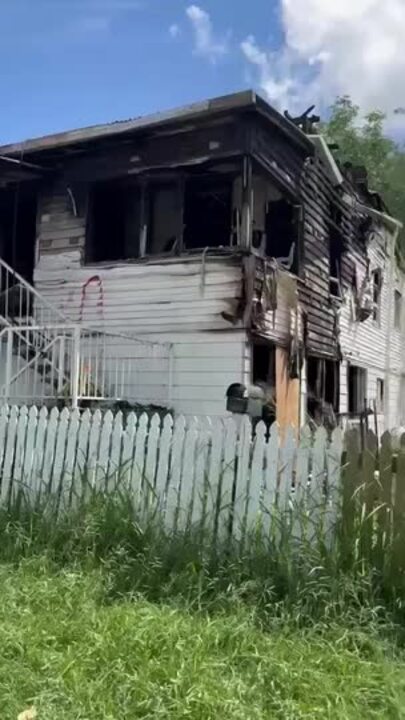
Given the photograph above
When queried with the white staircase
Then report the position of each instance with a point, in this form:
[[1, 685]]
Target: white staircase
[[45, 358], [31, 340]]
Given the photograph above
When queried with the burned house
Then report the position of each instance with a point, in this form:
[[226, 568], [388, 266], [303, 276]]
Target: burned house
[[215, 244]]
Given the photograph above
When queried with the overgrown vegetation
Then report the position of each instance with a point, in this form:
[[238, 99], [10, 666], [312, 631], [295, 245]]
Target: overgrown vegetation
[[105, 614], [364, 142]]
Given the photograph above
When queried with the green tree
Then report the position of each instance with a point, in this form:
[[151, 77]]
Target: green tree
[[363, 141]]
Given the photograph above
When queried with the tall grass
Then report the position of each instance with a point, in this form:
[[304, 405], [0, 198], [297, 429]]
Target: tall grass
[[298, 569]]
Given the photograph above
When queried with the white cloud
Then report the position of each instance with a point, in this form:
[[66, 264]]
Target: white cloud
[[174, 31], [335, 47], [207, 44]]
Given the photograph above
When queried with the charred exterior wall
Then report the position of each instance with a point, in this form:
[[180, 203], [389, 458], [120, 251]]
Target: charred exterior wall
[[204, 297]]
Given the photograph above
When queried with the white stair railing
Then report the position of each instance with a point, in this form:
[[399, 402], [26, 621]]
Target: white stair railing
[[75, 364], [28, 318], [45, 357], [22, 304]]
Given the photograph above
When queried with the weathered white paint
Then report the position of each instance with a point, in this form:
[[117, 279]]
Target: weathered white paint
[[376, 345], [185, 470], [177, 302]]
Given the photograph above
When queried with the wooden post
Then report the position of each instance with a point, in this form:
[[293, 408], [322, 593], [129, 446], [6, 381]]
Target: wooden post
[[143, 219], [247, 203]]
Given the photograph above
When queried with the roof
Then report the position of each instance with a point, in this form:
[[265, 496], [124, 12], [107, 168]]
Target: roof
[[236, 102]]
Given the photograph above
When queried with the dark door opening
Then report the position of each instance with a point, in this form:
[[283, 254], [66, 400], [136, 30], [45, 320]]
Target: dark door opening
[[18, 218]]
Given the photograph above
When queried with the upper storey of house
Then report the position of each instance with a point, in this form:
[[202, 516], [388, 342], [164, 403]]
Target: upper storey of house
[[224, 179]]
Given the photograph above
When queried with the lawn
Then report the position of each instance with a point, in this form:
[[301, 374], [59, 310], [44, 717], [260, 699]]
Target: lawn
[[71, 650]]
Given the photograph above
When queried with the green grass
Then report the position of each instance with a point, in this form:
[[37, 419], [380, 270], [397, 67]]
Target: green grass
[[106, 616], [75, 656]]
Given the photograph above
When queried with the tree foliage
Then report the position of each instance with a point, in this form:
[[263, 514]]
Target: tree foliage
[[363, 141]]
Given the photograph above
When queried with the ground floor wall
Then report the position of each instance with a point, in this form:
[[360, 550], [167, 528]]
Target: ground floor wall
[[204, 364], [390, 409]]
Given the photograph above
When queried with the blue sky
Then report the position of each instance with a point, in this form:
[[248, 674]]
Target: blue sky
[[70, 63], [76, 62]]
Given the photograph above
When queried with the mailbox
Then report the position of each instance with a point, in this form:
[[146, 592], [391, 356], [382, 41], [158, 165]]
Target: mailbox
[[245, 400], [236, 398]]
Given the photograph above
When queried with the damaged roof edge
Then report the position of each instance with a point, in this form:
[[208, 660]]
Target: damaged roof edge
[[384, 218], [391, 222], [237, 101]]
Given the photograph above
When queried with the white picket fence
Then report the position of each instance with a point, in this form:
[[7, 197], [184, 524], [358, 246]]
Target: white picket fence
[[202, 471]]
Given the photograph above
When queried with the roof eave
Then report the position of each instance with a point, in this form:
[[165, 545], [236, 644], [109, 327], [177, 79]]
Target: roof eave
[[236, 101]]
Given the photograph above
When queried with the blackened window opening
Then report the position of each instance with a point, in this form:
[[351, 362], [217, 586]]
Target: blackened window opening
[[397, 310], [357, 389], [164, 218], [336, 249], [113, 231], [282, 233], [323, 389], [207, 212], [18, 216], [264, 364], [377, 285], [380, 395]]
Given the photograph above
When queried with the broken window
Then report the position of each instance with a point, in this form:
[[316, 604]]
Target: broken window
[[380, 395], [336, 248], [114, 221], [323, 389], [282, 233], [164, 218], [357, 389], [397, 310], [376, 278], [208, 211]]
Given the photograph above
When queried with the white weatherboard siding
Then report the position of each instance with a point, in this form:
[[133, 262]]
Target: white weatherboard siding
[[377, 346], [175, 303], [143, 297]]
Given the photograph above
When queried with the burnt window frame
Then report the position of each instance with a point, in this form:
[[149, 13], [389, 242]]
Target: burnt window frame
[[380, 395], [146, 185], [256, 344], [150, 185], [398, 310], [357, 404], [322, 386], [90, 239], [377, 294], [336, 237], [228, 180]]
